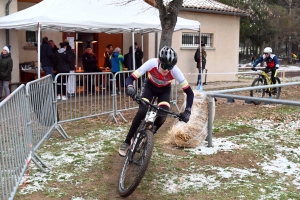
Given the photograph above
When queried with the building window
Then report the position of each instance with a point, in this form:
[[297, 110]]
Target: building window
[[30, 37], [192, 39]]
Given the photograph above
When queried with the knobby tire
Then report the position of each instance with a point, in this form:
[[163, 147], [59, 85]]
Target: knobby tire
[[131, 174], [276, 96], [257, 82]]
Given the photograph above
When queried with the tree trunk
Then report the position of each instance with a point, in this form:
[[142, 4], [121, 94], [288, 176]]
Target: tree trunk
[[168, 19]]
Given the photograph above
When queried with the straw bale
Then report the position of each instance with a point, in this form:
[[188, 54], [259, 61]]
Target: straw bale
[[193, 133]]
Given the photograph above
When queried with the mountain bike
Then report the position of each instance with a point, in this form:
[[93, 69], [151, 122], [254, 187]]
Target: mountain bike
[[140, 151], [265, 79]]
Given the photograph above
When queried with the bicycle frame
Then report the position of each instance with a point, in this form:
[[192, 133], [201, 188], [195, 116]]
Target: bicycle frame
[[148, 122], [266, 77]]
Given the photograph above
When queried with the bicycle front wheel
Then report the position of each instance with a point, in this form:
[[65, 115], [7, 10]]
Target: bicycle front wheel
[[135, 166], [276, 91], [260, 93]]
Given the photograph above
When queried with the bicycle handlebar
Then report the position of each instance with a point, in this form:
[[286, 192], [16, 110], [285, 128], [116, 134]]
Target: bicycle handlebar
[[139, 100]]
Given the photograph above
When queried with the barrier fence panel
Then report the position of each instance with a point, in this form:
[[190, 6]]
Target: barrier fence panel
[[123, 102], [93, 95], [15, 141], [43, 112]]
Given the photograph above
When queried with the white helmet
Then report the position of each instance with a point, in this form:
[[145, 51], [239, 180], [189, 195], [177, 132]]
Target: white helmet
[[268, 50]]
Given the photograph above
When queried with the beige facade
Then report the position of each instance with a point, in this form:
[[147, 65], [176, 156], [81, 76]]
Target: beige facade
[[222, 57], [17, 39]]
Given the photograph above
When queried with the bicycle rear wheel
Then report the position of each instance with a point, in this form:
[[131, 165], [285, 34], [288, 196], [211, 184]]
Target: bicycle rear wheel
[[135, 166], [260, 93]]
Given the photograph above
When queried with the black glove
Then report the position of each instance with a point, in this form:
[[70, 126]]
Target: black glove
[[131, 91], [253, 69], [185, 116]]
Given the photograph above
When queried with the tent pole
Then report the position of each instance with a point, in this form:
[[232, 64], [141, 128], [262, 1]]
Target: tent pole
[[39, 51], [200, 52], [133, 48], [142, 46], [76, 46]]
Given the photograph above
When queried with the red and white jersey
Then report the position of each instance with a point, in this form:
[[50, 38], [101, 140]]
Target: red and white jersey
[[151, 66]]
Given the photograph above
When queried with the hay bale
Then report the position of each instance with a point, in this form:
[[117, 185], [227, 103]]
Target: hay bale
[[193, 133]]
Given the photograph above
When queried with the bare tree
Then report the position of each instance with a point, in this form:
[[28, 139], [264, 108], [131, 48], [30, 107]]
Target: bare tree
[[168, 13]]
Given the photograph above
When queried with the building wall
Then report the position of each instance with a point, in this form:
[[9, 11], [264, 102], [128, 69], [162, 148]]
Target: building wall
[[13, 42], [18, 40], [31, 55], [222, 57]]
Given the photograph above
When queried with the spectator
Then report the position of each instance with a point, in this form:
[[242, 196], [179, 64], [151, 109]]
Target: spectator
[[62, 59], [6, 65], [71, 86], [138, 61], [47, 57], [54, 49], [89, 61], [108, 52], [128, 61], [197, 59], [138, 55], [117, 61]]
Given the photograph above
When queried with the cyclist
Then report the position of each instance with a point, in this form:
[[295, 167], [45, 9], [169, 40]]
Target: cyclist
[[162, 71], [272, 64]]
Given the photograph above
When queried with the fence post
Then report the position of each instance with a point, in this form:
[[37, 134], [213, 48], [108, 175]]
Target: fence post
[[210, 120]]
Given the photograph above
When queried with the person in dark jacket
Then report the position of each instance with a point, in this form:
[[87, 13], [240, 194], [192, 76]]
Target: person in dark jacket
[[197, 60], [128, 61], [6, 65], [138, 55], [89, 61], [54, 49], [62, 59], [71, 86], [108, 52], [47, 57]]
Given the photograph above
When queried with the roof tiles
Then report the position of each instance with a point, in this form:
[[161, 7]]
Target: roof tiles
[[210, 5]]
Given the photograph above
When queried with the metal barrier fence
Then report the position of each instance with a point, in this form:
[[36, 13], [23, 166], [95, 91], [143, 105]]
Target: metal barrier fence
[[95, 94], [91, 96], [43, 112], [220, 93], [15, 141]]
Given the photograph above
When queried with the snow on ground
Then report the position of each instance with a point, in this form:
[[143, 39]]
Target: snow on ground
[[281, 136], [285, 161], [75, 152]]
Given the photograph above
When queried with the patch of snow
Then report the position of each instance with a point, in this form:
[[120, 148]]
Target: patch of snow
[[74, 152], [219, 144]]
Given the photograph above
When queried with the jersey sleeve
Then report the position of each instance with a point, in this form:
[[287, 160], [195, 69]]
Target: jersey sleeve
[[178, 76], [147, 66]]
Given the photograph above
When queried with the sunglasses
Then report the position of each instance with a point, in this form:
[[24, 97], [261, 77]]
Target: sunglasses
[[266, 53], [166, 67]]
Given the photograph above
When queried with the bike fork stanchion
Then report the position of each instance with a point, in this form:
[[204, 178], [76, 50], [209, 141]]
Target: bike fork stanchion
[[210, 121]]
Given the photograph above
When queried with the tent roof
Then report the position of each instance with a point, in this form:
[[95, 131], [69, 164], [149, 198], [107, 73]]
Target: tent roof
[[109, 16]]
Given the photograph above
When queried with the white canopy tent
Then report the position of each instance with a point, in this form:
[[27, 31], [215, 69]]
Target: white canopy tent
[[92, 16]]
